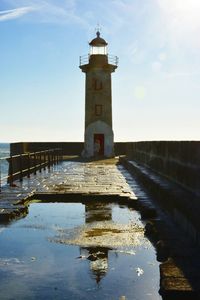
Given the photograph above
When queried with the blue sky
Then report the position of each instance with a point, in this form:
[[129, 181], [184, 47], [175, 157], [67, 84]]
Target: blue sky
[[156, 88]]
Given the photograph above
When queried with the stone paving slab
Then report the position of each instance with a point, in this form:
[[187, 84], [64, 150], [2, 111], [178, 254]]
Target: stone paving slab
[[176, 280], [83, 178]]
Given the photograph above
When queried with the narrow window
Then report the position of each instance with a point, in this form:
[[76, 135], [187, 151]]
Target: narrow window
[[97, 84], [98, 110]]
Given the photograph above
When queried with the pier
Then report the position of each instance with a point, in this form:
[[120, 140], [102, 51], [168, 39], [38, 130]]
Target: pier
[[120, 180], [68, 179]]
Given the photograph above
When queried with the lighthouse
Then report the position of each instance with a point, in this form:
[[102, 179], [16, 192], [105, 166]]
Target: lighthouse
[[98, 66]]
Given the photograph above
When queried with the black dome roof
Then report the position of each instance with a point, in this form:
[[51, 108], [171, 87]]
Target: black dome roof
[[98, 41]]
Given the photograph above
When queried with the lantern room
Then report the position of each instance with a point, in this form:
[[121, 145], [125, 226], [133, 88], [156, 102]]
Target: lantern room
[[98, 45]]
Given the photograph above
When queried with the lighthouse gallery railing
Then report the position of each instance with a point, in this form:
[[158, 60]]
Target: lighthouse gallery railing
[[112, 59]]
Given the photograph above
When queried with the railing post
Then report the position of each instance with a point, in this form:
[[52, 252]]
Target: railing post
[[57, 156], [11, 170], [51, 155], [40, 162], [28, 163], [35, 168], [49, 160], [0, 175], [21, 168], [54, 156], [44, 159]]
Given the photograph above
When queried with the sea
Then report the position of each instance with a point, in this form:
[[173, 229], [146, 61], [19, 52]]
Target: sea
[[4, 152]]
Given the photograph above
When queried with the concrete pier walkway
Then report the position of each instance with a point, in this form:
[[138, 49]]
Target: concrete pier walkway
[[90, 178], [98, 178]]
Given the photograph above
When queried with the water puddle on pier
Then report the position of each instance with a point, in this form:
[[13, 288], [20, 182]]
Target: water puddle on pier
[[75, 251]]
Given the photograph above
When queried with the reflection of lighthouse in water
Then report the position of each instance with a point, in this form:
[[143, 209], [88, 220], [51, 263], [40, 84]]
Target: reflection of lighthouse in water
[[98, 256]]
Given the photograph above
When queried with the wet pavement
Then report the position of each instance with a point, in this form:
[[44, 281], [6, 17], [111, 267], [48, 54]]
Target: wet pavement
[[87, 182], [86, 250], [100, 178], [86, 178], [76, 251]]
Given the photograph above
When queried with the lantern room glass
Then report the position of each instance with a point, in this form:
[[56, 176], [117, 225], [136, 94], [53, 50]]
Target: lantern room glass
[[96, 50]]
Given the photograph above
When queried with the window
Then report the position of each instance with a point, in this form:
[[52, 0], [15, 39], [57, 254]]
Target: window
[[98, 110], [97, 84]]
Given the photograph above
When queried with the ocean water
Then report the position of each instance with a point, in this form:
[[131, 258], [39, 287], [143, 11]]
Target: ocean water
[[4, 152]]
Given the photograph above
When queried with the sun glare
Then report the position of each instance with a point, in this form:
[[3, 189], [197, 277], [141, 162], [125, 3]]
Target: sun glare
[[185, 11], [182, 21]]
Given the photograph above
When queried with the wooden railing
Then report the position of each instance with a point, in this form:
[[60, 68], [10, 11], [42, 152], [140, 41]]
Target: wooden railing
[[29, 163]]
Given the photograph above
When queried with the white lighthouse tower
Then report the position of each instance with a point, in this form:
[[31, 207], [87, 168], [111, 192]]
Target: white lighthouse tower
[[98, 66]]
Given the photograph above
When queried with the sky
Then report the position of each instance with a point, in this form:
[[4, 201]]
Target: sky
[[155, 89]]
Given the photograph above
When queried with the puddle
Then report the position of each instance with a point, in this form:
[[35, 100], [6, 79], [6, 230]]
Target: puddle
[[76, 251]]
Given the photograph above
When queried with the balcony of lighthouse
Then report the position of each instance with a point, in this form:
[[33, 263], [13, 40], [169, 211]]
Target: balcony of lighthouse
[[101, 58]]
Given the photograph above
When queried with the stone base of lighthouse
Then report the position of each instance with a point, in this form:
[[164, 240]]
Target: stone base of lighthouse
[[99, 140]]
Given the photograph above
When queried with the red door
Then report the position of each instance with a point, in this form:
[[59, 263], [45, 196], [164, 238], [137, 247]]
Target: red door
[[99, 138]]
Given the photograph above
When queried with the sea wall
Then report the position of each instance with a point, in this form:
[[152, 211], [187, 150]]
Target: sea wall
[[68, 148], [179, 161]]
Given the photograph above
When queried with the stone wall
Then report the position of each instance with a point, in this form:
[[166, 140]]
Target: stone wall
[[176, 160], [68, 148]]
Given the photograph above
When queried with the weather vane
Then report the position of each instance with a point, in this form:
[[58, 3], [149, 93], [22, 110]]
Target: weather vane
[[98, 28]]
